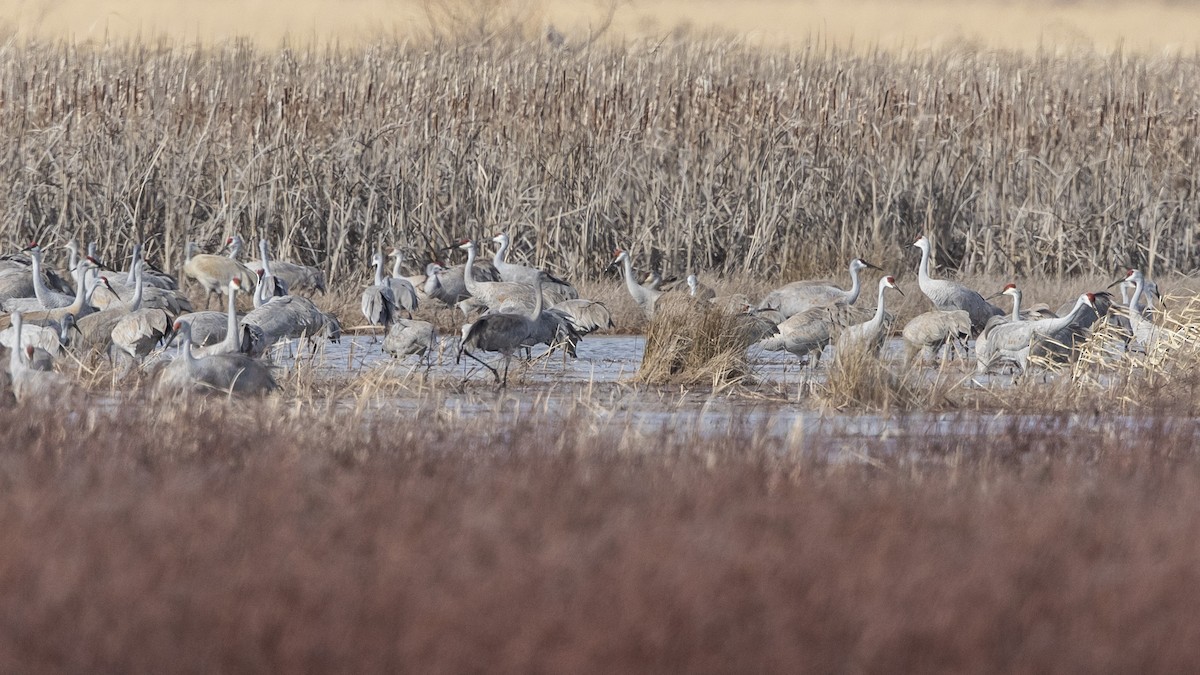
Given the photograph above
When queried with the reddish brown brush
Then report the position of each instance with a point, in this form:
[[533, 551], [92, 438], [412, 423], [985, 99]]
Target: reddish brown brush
[[218, 540]]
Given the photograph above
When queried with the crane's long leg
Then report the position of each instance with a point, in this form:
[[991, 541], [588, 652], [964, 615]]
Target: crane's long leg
[[496, 374], [507, 358]]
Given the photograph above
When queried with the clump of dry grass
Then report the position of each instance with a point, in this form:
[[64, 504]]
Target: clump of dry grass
[[690, 342], [859, 379]]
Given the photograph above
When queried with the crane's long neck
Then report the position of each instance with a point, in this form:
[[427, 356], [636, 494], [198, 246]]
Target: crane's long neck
[[81, 289], [468, 271], [537, 299], [630, 283], [136, 303], [73, 261], [235, 249], [1016, 296], [396, 265], [14, 359], [378, 270], [431, 284], [1063, 322], [855, 286], [185, 346], [260, 293], [266, 259], [18, 323], [231, 330], [1139, 287], [39, 289], [501, 253], [131, 278], [923, 268], [879, 311]]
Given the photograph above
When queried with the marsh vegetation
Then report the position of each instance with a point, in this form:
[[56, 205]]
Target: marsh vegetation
[[678, 502]]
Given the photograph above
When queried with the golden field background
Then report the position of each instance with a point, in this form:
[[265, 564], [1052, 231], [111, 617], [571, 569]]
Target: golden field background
[[919, 24]]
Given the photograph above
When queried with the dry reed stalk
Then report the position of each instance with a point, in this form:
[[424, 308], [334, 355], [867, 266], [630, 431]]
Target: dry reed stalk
[[721, 157]]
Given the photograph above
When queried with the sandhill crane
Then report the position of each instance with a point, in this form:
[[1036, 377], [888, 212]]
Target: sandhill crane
[[806, 333], [151, 278], [934, 330], [42, 338], [699, 291], [287, 317], [555, 328], [160, 296], [523, 274], [1145, 333], [504, 333], [1019, 313], [378, 302], [139, 332], [24, 378], [949, 295], [1147, 298], [409, 336], [656, 282], [211, 327], [869, 335], [44, 298], [646, 298], [42, 346], [15, 282], [297, 278], [402, 289], [1063, 345], [79, 308], [450, 286], [798, 296], [1012, 341], [587, 316], [28, 380], [754, 326], [223, 373], [213, 272], [96, 329], [269, 285], [497, 293], [220, 329], [1022, 313]]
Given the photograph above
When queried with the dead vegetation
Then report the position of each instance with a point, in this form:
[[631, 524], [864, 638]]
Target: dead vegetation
[[724, 158], [257, 537], [694, 342]]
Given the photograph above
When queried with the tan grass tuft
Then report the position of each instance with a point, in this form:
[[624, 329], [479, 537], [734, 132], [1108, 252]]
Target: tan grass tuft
[[694, 343]]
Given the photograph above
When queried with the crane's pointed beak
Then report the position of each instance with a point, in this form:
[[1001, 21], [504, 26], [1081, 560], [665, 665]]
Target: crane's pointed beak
[[898, 290], [993, 296], [872, 267], [1115, 283]]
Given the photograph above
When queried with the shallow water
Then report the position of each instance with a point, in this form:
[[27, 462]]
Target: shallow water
[[598, 384]]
